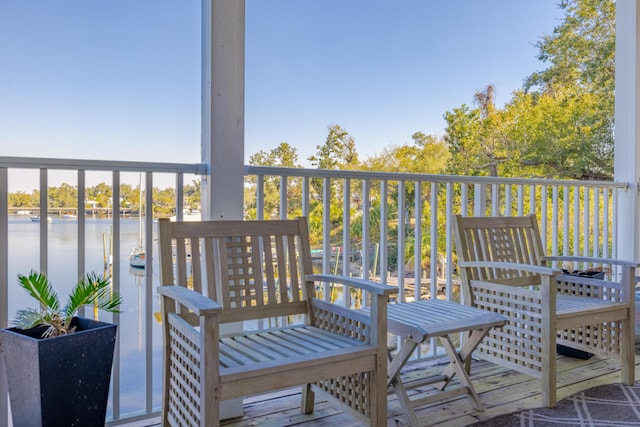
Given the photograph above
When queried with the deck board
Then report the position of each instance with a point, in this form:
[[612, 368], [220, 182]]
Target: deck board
[[501, 391]]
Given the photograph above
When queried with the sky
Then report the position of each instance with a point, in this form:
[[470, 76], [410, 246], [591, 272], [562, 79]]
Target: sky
[[120, 79]]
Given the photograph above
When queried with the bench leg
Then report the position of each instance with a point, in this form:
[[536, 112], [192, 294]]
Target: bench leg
[[628, 356], [308, 397]]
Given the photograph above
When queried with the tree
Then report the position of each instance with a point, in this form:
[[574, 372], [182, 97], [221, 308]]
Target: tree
[[478, 139], [428, 154], [580, 79], [461, 135], [284, 155], [101, 193], [337, 152], [193, 194], [560, 124], [20, 199]]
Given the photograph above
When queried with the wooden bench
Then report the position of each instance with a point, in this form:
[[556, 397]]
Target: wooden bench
[[260, 273], [504, 269]]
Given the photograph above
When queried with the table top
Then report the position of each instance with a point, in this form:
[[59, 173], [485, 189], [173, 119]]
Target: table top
[[431, 318]]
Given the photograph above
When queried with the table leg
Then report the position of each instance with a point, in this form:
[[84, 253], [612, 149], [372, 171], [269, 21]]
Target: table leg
[[393, 370], [396, 363], [466, 351]]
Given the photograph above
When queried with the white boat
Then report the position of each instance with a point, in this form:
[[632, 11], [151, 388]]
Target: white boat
[[137, 255], [36, 218], [188, 215]]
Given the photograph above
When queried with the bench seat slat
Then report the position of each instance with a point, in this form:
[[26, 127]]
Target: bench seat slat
[[279, 345]]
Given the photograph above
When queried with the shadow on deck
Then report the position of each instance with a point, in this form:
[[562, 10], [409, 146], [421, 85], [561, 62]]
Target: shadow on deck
[[501, 390]]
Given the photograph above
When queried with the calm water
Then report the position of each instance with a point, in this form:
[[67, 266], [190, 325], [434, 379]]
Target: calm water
[[128, 385]]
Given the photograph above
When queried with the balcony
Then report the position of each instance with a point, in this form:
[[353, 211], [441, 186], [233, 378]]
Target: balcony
[[363, 223]]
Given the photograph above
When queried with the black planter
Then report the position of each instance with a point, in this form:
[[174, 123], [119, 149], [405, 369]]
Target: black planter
[[61, 381]]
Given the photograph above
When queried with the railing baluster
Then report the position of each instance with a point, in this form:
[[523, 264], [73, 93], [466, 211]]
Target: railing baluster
[[495, 200], [115, 283], [346, 239], [80, 216], [554, 222], [402, 238], [449, 239], [507, 200], [565, 220], [521, 199], [433, 273], [596, 223], [148, 244], [283, 197], [464, 203], [384, 231], [605, 223], [44, 217], [179, 197], [326, 233], [4, 286], [586, 221], [260, 198], [417, 241]]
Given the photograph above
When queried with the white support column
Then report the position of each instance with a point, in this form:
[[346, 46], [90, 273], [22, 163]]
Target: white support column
[[223, 24], [222, 142], [627, 128]]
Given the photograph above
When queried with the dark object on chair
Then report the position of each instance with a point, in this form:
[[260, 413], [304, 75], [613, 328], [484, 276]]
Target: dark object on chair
[[570, 351]]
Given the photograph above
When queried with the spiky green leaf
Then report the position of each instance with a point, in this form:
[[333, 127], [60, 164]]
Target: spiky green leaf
[[28, 318], [92, 289], [39, 287]]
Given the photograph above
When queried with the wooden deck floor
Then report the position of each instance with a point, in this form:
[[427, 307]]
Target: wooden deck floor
[[501, 390]]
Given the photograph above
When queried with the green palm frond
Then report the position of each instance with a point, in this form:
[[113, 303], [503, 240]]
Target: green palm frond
[[39, 287], [27, 318], [109, 301], [93, 289]]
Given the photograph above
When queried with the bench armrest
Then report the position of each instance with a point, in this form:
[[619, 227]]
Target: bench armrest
[[366, 285], [192, 300], [591, 260], [536, 269]]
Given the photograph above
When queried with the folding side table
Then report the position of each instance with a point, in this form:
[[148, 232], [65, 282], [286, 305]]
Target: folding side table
[[418, 321]]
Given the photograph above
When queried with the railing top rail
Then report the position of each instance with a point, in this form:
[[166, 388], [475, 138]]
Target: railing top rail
[[402, 176], [100, 165], [201, 169]]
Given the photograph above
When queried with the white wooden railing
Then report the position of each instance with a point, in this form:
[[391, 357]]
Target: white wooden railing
[[576, 217]]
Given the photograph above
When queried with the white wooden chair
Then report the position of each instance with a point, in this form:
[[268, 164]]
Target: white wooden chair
[[503, 269], [260, 272]]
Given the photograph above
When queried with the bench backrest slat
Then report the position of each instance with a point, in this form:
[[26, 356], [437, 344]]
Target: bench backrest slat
[[514, 239]]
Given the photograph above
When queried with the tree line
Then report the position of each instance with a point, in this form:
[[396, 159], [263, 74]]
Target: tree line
[[101, 196]]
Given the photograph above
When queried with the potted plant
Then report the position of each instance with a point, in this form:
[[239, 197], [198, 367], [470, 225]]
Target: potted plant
[[59, 365]]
